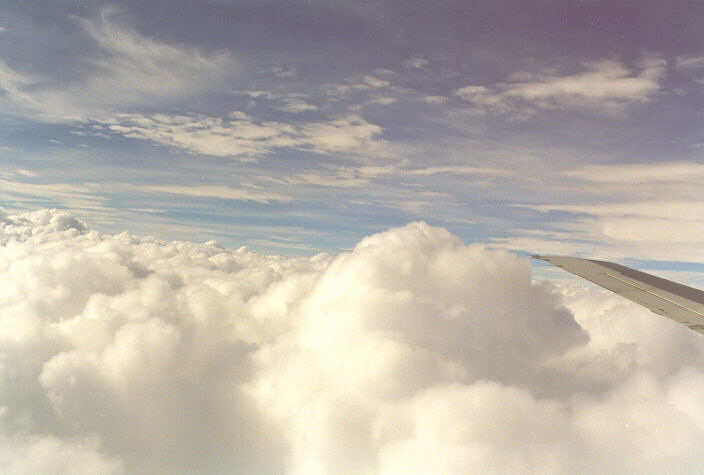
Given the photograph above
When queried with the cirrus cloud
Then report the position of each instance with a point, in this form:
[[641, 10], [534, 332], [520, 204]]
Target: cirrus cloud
[[605, 85], [128, 69]]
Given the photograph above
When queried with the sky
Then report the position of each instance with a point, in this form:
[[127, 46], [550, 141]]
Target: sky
[[292, 237], [300, 127]]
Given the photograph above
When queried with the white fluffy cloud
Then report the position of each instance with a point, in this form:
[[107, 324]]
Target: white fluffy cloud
[[411, 353]]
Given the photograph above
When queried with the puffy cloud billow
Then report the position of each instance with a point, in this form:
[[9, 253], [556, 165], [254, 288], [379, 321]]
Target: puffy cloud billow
[[414, 353]]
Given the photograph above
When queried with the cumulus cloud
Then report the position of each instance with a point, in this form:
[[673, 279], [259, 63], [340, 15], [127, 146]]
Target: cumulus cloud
[[411, 353], [606, 85]]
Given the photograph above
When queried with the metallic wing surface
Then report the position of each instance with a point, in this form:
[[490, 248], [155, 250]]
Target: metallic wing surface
[[676, 301]]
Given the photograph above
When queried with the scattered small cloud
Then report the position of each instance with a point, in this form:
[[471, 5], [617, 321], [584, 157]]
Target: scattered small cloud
[[296, 105], [375, 82], [364, 84], [347, 134], [28, 173], [382, 101], [375, 101], [434, 99], [289, 102], [284, 72], [417, 63]]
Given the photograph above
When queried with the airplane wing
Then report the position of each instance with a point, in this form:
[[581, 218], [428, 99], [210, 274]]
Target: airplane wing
[[676, 301]]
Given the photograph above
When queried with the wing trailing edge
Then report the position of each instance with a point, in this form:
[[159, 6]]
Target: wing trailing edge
[[678, 302]]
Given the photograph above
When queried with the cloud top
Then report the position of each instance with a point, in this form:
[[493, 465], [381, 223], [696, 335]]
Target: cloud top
[[411, 353]]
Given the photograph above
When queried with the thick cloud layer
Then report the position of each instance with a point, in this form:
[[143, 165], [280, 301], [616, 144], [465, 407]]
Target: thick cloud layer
[[411, 354]]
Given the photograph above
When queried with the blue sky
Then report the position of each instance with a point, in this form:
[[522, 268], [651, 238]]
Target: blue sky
[[299, 127]]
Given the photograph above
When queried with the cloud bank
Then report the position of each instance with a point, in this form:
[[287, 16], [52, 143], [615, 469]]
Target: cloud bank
[[413, 353]]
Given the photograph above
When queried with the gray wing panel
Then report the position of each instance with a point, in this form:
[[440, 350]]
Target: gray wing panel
[[664, 297]]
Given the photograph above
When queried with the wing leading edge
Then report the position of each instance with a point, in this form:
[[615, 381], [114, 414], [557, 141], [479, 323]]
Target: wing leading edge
[[676, 301]]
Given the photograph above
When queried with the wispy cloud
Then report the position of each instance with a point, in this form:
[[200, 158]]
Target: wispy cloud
[[240, 135], [289, 102], [133, 66], [365, 83], [689, 62], [606, 85], [376, 82], [613, 237], [660, 230], [77, 196], [434, 99], [237, 135], [296, 105], [646, 211], [346, 134], [344, 176], [127, 69], [681, 209], [457, 170], [14, 85], [640, 173], [220, 192], [417, 63]]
